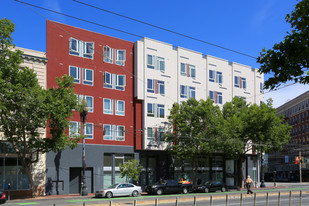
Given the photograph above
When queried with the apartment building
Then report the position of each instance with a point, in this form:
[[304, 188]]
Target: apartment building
[[166, 74], [11, 171], [282, 165], [102, 67]]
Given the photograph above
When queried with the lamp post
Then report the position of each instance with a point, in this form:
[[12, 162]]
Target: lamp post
[[83, 118], [262, 170]]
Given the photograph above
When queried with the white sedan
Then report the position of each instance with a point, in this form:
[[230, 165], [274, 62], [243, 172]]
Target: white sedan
[[123, 189]]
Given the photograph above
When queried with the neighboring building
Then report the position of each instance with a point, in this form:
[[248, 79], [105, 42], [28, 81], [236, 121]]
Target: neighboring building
[[11, 171], [102, 67], [282, 164], [165, 75]]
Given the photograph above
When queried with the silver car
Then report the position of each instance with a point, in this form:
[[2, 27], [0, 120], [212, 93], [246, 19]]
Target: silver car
[[123, 189]]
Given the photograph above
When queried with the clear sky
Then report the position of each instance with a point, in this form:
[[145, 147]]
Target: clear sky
[[245, 26]]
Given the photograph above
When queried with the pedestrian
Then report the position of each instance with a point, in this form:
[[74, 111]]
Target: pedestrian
[[249, 181]]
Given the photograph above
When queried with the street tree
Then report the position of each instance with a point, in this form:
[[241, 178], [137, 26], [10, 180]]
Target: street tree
[[251, 128], [130, 170], [289, 59], [26, 109], [193, 131]]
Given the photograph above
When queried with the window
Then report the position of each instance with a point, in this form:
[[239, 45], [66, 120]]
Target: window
[[160, 134], [187, 92], [88, 77], [120, 57], [114, 132], [155, 62], [120, 133], [161, 87], [150, 110], [89, 101], [114, 81], [215, 76], [155, 110], [183, 69], [192, 71], [261, 87], [150, 61], [160, 111], [88, 130], [81, 48], [107, 54], [183, 91], [74, 130], [107, 134], [240, 82], [150, 85], [108, 106], [192, 92], [216, 97], [74, 72], [155, 86], [151, 135], [120, 107], [121, 82], [107, 80]]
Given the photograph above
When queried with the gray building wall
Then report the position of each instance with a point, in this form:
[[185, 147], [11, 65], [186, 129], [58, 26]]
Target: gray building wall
[[63, 168]]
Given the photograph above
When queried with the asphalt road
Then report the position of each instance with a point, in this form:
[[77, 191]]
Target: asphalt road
[[217, 199]]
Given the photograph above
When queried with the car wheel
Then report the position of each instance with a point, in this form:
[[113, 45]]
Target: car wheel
[[185, 190], [159, 192], [134, 193], [206, 190], [223, 189], [109, 195]]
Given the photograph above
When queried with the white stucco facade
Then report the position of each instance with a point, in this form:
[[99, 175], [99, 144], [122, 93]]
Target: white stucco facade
[[184, 74]]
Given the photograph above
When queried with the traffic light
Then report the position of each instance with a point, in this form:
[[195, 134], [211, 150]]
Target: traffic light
[[296, 160]]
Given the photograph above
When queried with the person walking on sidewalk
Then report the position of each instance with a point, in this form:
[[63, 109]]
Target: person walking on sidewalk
[[249, 181]]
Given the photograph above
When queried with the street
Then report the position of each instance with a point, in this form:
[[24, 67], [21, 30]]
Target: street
[[215, 199]]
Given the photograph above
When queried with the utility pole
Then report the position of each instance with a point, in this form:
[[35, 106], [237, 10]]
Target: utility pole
[[300, 176], [83, 117]]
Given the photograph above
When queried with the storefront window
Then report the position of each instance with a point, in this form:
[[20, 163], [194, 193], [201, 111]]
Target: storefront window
[[1, 173], [11, 173], [151, 170], [229, 165], [23, 182], [107, 180]]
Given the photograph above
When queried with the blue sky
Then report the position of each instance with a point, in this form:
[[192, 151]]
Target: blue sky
[[241, 25]]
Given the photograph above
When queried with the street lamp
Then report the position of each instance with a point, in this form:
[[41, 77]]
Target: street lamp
[[262, 170], [83, 118]]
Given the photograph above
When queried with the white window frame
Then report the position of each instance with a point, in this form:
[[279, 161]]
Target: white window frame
[[85, 132], [244, 83], [117, 110], [80, 98], [86, 53], [159, 84], [151, 136], [159, 131], [191, 69], [219, 95], [110, 109], [118, 86], [77, 70], [185, 93], [108, 54], [151, 65], [152, 88], [77, 45], [236, 81], [107, 84], [105, 136], [120, 61], [77, 132], [159, 66], [183, 73], [151, 114], [85, 76], [160, 107], [191, 91], [117, 137], [212, 96], [218, 75], [213, 78]]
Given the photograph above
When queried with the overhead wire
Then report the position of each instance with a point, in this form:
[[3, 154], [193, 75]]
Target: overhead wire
[[80, 19]]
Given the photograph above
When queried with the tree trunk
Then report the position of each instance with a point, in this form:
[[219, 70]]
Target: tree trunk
[[28, 170], [240, 176]]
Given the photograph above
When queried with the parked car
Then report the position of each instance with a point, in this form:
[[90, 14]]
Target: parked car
[[169, 186], [2, 197], [211, 186], [123, 189]]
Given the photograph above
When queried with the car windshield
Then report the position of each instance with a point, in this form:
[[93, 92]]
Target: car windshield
[[113, 186]]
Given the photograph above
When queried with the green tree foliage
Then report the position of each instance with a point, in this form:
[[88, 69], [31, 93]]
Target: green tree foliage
[[289, 59], [251, 128], [130, 170], [26, 109], [195, 127]]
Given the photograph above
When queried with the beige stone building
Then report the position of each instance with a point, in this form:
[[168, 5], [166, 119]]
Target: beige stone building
[[10, 168]]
